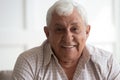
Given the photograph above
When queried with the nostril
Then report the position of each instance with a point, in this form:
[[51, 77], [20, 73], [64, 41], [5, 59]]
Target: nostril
[[68, 38]]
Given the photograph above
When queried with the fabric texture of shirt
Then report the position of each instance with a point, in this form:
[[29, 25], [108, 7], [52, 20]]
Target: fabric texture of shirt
[[40, 63]]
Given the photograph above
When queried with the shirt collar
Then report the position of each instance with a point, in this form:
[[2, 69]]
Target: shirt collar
[[85, 57], [47, 53], [86, 54]]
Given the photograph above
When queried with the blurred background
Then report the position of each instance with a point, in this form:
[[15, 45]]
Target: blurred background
[[22, 22]]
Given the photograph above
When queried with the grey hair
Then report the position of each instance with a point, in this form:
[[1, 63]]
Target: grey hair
[[65, 8]]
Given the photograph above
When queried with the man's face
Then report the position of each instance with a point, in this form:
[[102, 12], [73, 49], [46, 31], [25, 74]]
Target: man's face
[[67, 35]]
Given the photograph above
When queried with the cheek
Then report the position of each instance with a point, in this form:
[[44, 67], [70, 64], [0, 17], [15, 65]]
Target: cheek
[[81, 38], [81, 43], [54, 39]]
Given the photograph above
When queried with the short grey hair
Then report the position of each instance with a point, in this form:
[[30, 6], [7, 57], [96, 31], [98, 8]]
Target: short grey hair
[[65, 8]]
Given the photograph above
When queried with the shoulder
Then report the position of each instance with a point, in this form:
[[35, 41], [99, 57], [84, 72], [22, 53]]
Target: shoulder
[[29, 59], [32, 57], [101, 59], [104, 62], [29, 63], [98, 54], [33, 52]]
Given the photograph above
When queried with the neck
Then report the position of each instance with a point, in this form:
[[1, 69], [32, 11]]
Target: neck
[[69, 67], [68, 64]]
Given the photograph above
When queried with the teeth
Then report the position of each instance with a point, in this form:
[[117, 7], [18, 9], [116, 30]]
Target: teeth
[[68, 46]]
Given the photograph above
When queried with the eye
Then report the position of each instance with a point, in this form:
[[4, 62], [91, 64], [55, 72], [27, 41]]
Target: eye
[[59, 29], [75, 29]]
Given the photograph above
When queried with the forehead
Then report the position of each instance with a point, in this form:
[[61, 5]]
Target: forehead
[[75, 17]]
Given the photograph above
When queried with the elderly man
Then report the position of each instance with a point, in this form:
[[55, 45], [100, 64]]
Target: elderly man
[[65, 55]]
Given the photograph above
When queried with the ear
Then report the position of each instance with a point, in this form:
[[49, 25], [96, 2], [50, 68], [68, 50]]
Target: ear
[[88, 27], [46, 31]]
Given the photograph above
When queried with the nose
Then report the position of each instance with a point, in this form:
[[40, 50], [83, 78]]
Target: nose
[[68, 36]]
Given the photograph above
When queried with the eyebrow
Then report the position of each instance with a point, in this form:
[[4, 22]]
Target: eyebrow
[[59, 25], [74, 23]]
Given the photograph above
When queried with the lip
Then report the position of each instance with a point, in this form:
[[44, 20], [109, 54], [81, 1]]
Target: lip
[[68, 46]]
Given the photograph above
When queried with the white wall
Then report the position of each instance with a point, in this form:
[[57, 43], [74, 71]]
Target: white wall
[[117, 25], [22, 22]]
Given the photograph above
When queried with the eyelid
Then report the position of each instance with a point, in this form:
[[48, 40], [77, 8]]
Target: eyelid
[[59, 29], [75, 29]]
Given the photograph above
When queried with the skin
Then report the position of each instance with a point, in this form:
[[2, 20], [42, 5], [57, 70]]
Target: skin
[[67, 36]]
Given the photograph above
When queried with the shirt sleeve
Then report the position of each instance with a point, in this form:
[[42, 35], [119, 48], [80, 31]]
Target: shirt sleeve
[[114, 69], [22, 69]]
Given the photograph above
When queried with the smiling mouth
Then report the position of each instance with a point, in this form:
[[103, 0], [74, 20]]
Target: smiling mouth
[[68, 47]]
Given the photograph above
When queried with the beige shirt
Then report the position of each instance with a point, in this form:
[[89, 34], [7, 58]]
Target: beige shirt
[[40, 63]]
